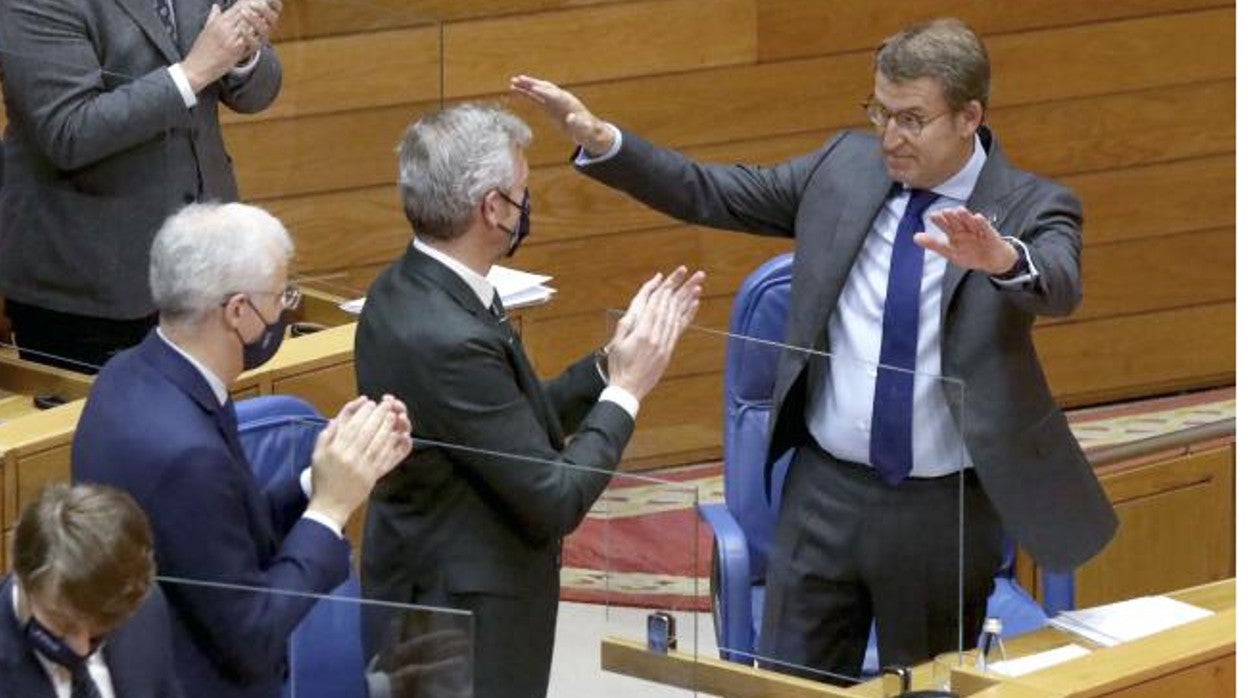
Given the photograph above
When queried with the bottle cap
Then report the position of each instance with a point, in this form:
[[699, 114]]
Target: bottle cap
[[992, 625]]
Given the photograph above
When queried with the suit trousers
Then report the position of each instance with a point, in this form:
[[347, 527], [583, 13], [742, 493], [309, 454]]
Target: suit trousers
[[80, 343], [850, 549]]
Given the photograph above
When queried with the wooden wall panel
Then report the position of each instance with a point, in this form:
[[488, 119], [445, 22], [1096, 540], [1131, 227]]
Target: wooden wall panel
[[796, 28], [1136, 355], [602, 42]]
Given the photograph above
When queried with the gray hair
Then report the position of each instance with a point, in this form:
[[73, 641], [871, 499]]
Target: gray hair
[[205, 252], [449, 161], [946, 50]]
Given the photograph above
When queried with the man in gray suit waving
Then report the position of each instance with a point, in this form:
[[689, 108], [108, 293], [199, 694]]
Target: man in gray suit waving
[[922, 249], [113, 125]]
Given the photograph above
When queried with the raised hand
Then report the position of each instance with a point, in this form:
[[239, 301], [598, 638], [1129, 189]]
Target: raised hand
[[360, 446], [645, 337], [568, 113], [224, 41], [970, 241]]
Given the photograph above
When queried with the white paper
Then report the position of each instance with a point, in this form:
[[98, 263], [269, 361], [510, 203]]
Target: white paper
[[1120, 622], [1038, 661], [518, 289]]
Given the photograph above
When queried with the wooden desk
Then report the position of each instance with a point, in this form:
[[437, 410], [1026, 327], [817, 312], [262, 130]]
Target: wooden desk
[[1196, 659]]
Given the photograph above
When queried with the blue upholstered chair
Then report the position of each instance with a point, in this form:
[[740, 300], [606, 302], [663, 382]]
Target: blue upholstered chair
[[744, 524], [278, 434]]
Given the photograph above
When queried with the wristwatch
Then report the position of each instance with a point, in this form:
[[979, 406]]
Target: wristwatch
[[1020, 265], [600, 363]]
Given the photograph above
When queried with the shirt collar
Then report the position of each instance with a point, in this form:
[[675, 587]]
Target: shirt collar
[[217, 385], [481, 286], [960, 185]]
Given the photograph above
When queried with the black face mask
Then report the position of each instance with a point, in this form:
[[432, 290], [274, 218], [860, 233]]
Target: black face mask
[[50, 645], [521, 231], [262, 348]]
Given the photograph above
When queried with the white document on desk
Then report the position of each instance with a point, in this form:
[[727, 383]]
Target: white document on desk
[[1120, 622], [518, 289], [1037, 661]]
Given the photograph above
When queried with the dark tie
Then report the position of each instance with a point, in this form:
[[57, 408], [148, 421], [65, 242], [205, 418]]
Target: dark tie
[[496, 307], [81, 684], [892, 416], [164, 10]]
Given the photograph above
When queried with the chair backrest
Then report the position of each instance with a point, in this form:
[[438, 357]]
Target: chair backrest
[[759, 315], [278, 434]]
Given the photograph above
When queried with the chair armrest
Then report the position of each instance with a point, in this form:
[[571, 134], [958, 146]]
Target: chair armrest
[[732, 572]]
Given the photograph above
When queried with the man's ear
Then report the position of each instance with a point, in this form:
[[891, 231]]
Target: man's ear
[[972, 117]]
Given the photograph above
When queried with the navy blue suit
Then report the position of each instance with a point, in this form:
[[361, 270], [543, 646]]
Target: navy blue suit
[[137, 654], [152, 426]]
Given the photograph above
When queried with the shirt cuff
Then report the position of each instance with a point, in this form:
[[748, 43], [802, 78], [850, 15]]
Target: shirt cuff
[[1025, 277], [184, 85], [583, 158], [242, 71], [305, 482], [621, 397], [324, 521]]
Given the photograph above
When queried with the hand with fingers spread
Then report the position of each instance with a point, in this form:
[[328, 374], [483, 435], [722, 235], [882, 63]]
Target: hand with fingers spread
[[970, 242], [645, 337], [568, 113], [361, 445]]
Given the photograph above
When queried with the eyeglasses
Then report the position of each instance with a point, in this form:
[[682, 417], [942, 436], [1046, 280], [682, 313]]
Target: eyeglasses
[[908, 122], [290, 296]]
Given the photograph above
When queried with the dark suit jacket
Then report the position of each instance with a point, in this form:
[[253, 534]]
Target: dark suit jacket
[[1023, 450], [138, 654], [100, 148], [460, 521], [152, 427]]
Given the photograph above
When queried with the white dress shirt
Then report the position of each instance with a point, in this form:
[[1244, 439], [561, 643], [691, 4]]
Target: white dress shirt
[[839, 412], [218, 390], [484, 291], [62, 682]]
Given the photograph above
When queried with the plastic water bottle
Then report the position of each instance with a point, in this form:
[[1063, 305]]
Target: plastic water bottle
[[991, 646]]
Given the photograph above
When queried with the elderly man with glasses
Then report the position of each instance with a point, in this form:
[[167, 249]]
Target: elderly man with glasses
[[923, 252], [160, 424]]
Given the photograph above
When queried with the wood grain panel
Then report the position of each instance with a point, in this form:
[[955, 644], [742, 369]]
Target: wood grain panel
[[1175, 529], [796, 28], [598, 43], [1152, 200], [356, 71], [1131, 356], [1198, 269], [681, 422], [303, 19]]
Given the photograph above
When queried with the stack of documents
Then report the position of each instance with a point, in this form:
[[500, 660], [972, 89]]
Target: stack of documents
[[1120, 622], [518, 289]]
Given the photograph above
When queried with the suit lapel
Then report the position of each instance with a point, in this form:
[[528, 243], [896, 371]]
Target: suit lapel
[[17, 662], [991, 187], [143, 12], [416, 264], [857, 195]]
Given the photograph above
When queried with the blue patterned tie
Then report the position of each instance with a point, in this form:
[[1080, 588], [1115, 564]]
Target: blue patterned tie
[[892, 416], [164, 10]]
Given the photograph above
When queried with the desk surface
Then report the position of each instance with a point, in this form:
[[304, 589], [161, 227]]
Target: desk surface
[[1215, 596]]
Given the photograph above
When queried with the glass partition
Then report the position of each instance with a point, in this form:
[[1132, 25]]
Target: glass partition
[[850, 543], [344, 647]]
